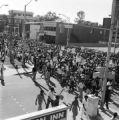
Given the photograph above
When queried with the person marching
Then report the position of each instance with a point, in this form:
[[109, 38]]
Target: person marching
[[74, 108], [47, 77], [80, 89], [34, 71], [56, 101], [84, 108], [1, 72], [51, 97], [39, 100]]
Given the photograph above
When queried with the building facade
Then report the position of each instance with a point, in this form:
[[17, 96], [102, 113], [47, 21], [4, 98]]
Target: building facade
[[56, 32], [50, 32], [16, 20]]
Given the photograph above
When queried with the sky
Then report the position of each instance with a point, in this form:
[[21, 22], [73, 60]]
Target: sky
[[95, 10]]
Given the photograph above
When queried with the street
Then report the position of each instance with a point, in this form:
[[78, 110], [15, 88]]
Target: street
[[18, 95]]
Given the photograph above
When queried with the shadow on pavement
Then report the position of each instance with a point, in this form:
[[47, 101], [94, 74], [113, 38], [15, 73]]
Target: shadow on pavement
[[99, 117], [106, 112], [115, 92], [113, 113], [52, 84], [18, 73], [115, 103], [116, 87], [40, 86], [25, 74]]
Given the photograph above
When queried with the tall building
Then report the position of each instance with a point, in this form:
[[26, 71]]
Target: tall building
[[106, 23], [116, 16]]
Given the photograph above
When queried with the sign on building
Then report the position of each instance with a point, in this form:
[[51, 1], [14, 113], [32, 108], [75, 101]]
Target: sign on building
[[55, 113]]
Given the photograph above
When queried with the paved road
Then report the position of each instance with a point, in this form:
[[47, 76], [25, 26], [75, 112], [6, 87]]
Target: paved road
[[17, 97]]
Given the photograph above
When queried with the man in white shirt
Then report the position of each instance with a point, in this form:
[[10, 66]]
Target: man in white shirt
[[80, 88], [51, 97], [85, 107]]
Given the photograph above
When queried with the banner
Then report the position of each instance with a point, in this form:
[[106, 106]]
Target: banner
[[54, 113]]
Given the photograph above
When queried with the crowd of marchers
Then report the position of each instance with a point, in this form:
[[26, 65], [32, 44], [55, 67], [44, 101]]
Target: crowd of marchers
[[74, 69]]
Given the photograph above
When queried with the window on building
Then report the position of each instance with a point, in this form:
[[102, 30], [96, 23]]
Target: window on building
[[14, 14]]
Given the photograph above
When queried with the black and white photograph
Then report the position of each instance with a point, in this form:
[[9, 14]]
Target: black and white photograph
[[59, 59]]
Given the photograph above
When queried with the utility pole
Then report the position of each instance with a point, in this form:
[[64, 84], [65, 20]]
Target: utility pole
[[117, 28], [24, 34], [68, 29], [10, 40], [108, 53]]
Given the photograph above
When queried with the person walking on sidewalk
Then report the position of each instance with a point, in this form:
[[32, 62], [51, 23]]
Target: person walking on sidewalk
[[51, 97], [39, 100], [47, 77], [84, 108], [80, 89], [2, 74], [56, 101], [107, 96], [34, 71], [74, 108]]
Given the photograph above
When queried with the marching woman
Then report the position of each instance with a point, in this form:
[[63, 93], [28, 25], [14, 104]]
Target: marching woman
[[74, 108]]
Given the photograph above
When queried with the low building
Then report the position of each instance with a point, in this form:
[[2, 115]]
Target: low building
[[48, 31]]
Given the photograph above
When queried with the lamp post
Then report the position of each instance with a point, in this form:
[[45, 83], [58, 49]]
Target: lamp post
[[108, 53], [117, 27], [24, 34], [25, 18], [68, 30]]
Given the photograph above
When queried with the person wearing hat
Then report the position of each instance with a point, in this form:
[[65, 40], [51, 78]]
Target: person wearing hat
[[51, 97]]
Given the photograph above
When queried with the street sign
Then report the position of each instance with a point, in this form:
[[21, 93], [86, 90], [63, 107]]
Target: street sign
[[54, 113]]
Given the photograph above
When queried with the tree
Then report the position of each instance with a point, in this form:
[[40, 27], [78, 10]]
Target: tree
[[51, 16], [39, 18], [80, 17]]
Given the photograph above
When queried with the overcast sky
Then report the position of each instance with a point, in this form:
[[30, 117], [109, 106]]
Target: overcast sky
[[95, 10]]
